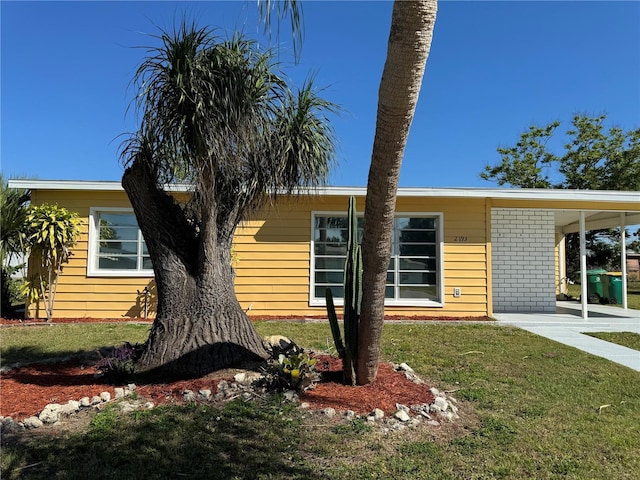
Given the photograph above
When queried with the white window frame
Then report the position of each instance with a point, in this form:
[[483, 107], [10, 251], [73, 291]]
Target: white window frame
[[392, 302], [94, 237]]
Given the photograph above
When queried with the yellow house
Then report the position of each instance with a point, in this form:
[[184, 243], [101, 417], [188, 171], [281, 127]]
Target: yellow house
[[457, 252]]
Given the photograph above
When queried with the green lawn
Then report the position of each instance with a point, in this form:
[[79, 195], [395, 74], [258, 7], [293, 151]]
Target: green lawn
[[626, 339], [531, 409]]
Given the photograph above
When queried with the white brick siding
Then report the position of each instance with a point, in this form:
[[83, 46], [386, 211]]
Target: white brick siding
[[523, 262]]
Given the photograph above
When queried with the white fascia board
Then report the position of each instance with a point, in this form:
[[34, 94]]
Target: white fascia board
[[503, 193], [64, 185], [87, 185], [456, 192]]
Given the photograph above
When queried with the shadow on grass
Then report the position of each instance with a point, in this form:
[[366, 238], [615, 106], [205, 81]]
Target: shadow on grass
[[33, 354], [239, 441]]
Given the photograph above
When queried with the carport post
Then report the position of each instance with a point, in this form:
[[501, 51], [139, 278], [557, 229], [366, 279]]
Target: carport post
[[583, 267], [623, 260]]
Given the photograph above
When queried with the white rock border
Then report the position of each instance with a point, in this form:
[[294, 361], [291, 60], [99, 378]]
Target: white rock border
[[443, 407]]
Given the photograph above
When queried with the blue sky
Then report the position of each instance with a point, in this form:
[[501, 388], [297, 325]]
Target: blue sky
[[495, 68]]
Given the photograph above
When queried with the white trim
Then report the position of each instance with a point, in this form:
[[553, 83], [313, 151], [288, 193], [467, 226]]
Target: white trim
[[394, 302], [65, 185], [450, 192], [623, 260], [93, 185], [92, 269], [583, 268]]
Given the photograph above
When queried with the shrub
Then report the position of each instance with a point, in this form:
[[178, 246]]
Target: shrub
[[290, 368], [51, 231]]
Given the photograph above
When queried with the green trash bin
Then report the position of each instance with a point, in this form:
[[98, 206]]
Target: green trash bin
[[614, 287], [595, 290]]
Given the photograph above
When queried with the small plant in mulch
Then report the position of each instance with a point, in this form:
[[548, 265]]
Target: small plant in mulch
[[289, 367], [120, 363]]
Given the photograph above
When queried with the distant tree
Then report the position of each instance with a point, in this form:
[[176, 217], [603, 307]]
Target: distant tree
[[593, 159], [218, 114]]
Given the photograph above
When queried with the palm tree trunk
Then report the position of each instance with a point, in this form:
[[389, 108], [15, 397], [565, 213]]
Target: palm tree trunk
[[412, 26]]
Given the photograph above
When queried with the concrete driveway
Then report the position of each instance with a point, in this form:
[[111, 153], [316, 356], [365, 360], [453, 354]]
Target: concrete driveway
[[568, 327]]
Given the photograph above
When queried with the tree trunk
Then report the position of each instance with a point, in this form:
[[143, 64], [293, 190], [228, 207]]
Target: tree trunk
[[199, 330], [199, 325], [409, 43]]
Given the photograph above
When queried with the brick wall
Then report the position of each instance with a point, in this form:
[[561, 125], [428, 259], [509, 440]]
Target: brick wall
[[523, 263]]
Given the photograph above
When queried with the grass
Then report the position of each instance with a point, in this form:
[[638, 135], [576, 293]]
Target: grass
[[626, 339], [530, 409], [35, 343]]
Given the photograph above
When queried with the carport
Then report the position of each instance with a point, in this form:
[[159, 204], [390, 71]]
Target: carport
[[528, 229], [580, 222]]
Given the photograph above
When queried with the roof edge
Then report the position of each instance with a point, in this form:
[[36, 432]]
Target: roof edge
[[450, 192]]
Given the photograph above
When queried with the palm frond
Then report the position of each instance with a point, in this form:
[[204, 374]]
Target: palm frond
[[218, 113]]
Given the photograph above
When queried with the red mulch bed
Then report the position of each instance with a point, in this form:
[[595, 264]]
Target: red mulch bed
[[26, 390], [390, 387]]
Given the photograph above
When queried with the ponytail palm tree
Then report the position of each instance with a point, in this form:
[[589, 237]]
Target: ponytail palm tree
[[218, 116]]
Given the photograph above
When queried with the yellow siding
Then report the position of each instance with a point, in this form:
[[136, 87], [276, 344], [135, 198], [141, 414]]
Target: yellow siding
[[273, 253], [77, 294]]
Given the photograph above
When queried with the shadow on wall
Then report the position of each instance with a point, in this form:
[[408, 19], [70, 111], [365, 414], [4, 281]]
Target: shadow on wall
[[146, 302]]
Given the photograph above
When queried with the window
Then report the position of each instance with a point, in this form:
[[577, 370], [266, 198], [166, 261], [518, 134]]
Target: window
[[116, 246], [414, 276]]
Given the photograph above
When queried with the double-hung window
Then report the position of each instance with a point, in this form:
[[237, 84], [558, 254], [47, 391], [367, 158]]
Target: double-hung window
[[116, 246], [414, 275]]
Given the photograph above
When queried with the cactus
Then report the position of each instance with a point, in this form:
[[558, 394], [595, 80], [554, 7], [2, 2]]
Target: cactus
[[352, 300]]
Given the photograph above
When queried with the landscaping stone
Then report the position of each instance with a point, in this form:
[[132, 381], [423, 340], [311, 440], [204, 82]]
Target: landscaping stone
[[70, 407], [440, 404], [402, 415], [243, 385], [328, 412], [128, 407], [51, 413], [291, 396], [204, 394], [32, 422], [377, 414], [189, 396], [8, 425], [278, 341], [246, 379]]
